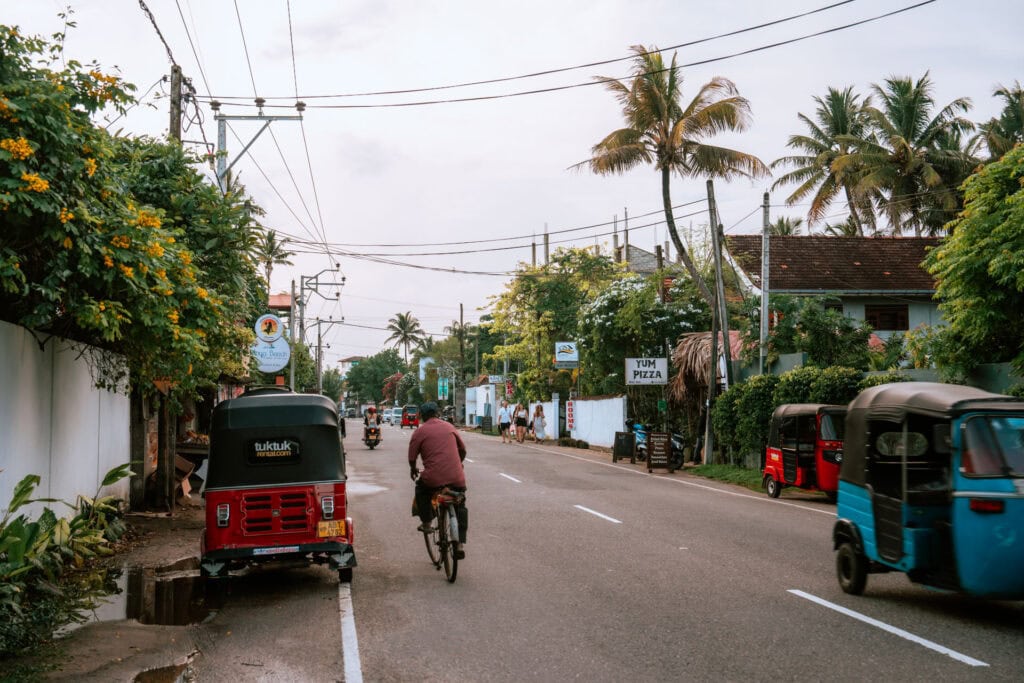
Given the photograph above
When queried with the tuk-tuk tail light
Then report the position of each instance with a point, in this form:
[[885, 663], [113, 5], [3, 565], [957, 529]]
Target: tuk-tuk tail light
[[223, 514], [987, 505], [327, 507]]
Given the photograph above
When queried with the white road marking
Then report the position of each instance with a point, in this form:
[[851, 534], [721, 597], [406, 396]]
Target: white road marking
[[598, 514], [941, 649], [510, 477], [683, 482], [349, 641]]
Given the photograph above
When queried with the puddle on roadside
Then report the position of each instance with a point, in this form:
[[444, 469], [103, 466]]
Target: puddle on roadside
[[360, 487], [173, 595]]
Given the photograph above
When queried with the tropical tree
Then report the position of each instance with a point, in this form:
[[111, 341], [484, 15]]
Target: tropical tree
[[785, 227], [1002, 133], [660, 131], [839, 116], [272, 252], [369, 377], [405, 332], [978, 270], [912, 161]]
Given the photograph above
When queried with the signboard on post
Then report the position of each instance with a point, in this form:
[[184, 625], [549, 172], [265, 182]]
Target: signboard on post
[[268, 328], [271, 356], [570, 418], [659, 448], [495, 379], [442, 388], [646, 371], [567, 356]]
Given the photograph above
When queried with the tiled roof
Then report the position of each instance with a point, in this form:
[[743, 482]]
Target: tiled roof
[[280, 302], [817, 263]]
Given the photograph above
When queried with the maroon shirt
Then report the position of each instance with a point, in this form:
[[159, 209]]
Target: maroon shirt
[[440, 447]]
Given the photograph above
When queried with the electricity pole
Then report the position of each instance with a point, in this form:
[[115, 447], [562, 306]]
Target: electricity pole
[[763, 353]]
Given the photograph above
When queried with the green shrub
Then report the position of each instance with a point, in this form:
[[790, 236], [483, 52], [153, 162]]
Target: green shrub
[[754, 413], [795, 385], [582, 444], [877, 380], [835, 385], [724, 417], [1016, 390]]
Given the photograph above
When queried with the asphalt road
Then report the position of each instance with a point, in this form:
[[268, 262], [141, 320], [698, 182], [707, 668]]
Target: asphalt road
[[578, 568]]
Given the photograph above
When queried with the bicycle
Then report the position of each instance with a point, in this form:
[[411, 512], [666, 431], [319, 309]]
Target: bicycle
[[442, 539]]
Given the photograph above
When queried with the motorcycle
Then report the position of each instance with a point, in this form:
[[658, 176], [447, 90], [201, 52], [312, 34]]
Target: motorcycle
[[640, 432], [372, 436]]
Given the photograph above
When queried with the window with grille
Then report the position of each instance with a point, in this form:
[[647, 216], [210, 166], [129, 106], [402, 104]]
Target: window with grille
[[888, 317]]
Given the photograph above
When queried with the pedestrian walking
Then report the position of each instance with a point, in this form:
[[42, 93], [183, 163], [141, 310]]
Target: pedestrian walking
[[505, 422], [539, 424], [522, 418]]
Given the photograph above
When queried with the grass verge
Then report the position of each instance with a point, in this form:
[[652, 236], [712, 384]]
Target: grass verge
[[741, 476]]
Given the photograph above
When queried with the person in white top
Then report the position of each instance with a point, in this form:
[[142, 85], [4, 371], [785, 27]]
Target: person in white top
[[505, 422], [538, 423]]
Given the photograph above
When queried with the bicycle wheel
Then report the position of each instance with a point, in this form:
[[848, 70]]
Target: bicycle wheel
[[433, 544], [445, 522]]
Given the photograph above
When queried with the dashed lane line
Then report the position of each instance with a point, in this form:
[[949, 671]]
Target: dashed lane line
[[598, 514]]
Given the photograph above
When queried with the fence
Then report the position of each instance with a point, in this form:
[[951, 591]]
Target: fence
[[54, 422], [595, 420]]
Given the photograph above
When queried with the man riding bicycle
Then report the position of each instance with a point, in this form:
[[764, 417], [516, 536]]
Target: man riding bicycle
[[438, 445]]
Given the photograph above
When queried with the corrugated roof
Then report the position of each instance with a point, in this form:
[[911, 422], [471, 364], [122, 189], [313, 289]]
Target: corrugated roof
[[837, 264]]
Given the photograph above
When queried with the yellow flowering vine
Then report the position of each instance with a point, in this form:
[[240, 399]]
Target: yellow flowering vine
[[19, 149], [34, 183]]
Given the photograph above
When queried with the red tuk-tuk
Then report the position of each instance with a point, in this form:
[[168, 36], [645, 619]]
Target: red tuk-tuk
[[805, 448], [410, 417], [275, 488]]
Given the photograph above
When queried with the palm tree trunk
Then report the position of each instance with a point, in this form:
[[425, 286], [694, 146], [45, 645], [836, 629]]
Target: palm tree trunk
[[670, 221], [853, 210]]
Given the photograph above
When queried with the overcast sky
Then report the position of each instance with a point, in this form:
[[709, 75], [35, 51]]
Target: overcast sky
[[457, 172]]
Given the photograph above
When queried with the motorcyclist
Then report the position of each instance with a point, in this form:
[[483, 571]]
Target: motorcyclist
[[438, 445], [371, 417]]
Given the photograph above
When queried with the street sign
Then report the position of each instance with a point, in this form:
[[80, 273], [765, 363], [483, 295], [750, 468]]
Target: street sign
[[442, 388], [495, 379], [658, 450], [268, 328], [646, 371], [567, 356], [271, 356]]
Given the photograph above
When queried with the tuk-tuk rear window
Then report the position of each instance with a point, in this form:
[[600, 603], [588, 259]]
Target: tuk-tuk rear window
[[278, 451], [411, 410], [833, 426], [993, 445]]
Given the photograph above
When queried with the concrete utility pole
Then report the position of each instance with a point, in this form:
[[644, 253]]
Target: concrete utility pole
[[765, 229], [174, 132], [547, 245], [615, 239], [625, 236], [291, 325], [717, 237]]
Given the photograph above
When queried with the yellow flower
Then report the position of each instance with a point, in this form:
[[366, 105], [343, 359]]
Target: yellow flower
[[173, 317], [103, 306], [147, 220], [19, 149], [108, 262], [155, 250], [67, 242], [90, 167], [35, 183], [186, 258], [202, 293], [121, 241], [128, 271], [66, 215]]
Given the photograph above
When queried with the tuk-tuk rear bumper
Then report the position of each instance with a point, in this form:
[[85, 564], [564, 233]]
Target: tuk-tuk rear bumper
[[339, 555]]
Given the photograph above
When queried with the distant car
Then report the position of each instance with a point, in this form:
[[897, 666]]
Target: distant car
[[388, 415], [351, 412]]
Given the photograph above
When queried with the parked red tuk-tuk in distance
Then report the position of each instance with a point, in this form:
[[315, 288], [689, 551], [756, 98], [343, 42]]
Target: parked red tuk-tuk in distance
[[275, 488], [410, 417], [805, 448]]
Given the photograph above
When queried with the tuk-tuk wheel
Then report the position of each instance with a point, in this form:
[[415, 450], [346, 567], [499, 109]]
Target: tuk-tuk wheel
[[345, 575], [851, 569], [772, 487]]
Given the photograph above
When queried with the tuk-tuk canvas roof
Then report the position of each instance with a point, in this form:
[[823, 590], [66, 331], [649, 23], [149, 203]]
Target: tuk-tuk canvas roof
[[789, 409], [310, 419]]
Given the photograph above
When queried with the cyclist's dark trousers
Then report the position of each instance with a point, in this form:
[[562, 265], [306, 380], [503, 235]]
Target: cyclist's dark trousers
[[424, 494]]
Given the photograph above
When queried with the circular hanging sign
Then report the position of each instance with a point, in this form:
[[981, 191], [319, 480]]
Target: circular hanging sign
[[268, 328], [271, 356]]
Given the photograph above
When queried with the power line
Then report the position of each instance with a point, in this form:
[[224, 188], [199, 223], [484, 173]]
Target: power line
[[597, 81], [548, 72], [195, 52], [152, 20]]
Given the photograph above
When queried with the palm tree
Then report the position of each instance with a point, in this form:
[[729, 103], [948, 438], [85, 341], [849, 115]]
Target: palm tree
[[908, 165], [405, 331], [270, 252], [785, 227], [1001, 134], [660, 131], [839, 115], [845, 229]]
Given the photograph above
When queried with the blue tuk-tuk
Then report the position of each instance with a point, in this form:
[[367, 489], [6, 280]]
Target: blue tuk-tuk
[[932, 485]]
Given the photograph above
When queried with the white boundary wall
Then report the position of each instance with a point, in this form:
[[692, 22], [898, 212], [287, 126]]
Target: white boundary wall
[[597, 419], [55, 423]]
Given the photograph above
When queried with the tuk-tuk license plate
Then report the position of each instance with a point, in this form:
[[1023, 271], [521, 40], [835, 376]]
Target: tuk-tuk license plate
[[333, 528]]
